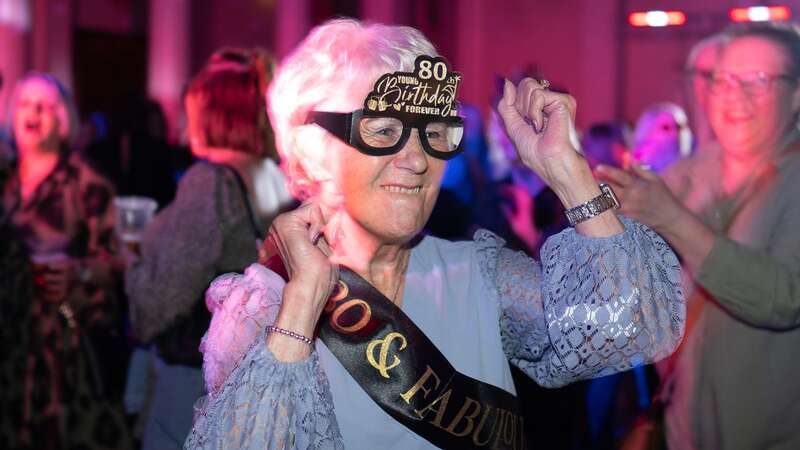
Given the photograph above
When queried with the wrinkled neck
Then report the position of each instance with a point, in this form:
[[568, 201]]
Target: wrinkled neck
[[382, 264]]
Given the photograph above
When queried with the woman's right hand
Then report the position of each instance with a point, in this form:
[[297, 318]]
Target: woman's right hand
[[298, 239]]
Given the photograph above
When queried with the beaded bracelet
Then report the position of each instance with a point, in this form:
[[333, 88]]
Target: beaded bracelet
[[291, 334]]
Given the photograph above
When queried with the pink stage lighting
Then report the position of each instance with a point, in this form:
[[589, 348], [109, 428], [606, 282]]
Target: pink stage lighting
[[657, 18], [761, 14]]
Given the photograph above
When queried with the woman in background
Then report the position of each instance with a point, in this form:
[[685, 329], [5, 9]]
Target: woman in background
[[62, 210], [214, 225], [733, 215]]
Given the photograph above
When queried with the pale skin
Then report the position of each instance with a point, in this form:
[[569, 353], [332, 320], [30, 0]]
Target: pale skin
[[751, 130], [312, 250]]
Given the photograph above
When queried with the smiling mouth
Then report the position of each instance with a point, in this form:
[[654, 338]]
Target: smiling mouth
[[402, 189], [32, 125]]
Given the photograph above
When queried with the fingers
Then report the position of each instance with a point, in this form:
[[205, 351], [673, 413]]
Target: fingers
[[510, 115], [530, 102], [644, 172], [615, 176], [297, 237], [536, 109]]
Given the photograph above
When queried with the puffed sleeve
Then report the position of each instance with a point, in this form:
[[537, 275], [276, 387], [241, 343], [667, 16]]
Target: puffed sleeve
[[254, 400], [594, 306]]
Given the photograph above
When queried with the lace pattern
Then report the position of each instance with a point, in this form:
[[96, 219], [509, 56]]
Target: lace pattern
[[241, 308], [594, 306], [254, 400]]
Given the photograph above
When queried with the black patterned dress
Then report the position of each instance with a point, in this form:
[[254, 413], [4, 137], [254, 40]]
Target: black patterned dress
[[66, 402]]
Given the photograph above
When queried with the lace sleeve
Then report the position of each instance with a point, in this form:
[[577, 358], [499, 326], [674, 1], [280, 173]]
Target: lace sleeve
[[254, 400], [594, 307]]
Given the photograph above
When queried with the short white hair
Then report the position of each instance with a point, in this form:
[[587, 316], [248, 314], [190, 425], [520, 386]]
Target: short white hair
[[333, 59]]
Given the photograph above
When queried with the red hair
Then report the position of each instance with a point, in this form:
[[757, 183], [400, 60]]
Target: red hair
[[226, 106]]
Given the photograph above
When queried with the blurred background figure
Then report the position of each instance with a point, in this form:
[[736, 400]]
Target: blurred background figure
[[62, 212], [224, 205], [135, 154], [606, 143], [699, 70], [463, 182], [16, 292], [661, 137], [733, 217]]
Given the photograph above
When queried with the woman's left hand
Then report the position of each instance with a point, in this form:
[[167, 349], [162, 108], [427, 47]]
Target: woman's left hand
[[541, 124], [643, 196]]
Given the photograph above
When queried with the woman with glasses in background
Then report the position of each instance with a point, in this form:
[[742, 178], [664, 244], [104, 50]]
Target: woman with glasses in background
[[733, 217]]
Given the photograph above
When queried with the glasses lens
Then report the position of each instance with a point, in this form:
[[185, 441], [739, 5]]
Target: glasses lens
[[755, 83], [719, 82], [380, 132], [444, 137]]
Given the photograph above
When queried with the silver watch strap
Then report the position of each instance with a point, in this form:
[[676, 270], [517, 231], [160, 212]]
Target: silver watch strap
[[594, 207]]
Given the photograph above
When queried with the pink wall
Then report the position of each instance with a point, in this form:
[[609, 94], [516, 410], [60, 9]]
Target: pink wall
[[584, 46], [549, 36], [217, 23]]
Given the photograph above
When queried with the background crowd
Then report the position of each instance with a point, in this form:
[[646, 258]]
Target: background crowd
[[99, 340]]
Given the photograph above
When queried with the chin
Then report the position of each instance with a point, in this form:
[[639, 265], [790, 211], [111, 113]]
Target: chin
[[396, 232]]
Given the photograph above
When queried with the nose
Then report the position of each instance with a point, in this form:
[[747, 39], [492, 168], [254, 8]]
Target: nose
[[412, 157]]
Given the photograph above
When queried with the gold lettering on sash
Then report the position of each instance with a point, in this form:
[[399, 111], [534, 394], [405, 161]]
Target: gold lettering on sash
[[420, 384], [341, 292], [438, 406], [462, 414], [511, 423], [362, 322], [501, 419], [385, 344], [477, 433]]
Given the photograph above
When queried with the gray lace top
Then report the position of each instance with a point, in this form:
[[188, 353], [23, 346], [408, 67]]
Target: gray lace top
[[592, 307]]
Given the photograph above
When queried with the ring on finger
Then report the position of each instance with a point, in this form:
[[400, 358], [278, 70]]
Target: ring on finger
[[544, 84]]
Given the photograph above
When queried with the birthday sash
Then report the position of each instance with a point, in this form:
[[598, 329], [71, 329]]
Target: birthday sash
[[407, 376]]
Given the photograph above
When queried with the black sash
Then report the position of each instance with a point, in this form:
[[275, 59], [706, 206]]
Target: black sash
[[407, 376]]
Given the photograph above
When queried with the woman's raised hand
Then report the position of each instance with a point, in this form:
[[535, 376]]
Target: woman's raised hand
[[297, 237], [541, 124]]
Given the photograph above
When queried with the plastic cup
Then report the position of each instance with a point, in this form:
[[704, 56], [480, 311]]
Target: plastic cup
[[133, 215]]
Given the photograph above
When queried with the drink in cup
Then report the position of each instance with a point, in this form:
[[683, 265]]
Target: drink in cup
[[133, 215]]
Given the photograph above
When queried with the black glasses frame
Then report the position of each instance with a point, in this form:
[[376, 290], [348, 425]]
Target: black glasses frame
[[345, 127]]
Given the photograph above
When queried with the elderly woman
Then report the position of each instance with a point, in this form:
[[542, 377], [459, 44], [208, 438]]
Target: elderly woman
[[733, 217], [214, 225], [414, 340], [62, 211]]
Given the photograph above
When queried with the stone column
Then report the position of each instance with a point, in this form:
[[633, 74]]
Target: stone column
[[51, 39], [15, 21], [292, 22], [169, 57], [599, 94], [470, 57]]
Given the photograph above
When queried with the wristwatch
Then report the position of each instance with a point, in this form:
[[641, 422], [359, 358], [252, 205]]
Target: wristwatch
[[603, 202]]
